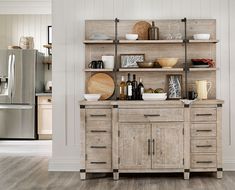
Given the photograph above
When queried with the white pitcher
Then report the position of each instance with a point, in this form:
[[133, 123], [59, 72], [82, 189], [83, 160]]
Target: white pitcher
[[202, 89]]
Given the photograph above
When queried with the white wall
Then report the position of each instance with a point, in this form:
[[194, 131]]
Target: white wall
[[68, 53]]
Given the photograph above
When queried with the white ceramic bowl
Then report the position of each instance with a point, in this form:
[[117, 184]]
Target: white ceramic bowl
[[154, 96], [92, 97], [131, 36], [201, 36]]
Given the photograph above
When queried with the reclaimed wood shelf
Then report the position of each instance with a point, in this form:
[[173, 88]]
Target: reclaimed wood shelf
[[203, 41], [150, 69], [203, 69], [98, 42], [98, 70]]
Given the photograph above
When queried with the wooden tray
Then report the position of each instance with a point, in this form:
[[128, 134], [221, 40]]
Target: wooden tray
[[101, 83], [141, 28]]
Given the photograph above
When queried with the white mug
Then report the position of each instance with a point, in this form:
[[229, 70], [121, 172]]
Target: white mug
[[108, 61]]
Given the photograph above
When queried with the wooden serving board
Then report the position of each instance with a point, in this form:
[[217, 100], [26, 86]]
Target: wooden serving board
[[101, 83]]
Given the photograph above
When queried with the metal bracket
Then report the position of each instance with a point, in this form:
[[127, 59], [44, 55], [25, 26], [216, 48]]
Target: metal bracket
[[219, 105], [184, 20], [219, 169], [115, 106], [186, 105], [186, 40], [187, 170], [82, 171], [116, 41], [82, 106], [115, 170], [117, 20]]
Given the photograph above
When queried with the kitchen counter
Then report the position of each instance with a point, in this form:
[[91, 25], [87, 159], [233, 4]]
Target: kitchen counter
[[43, 94]]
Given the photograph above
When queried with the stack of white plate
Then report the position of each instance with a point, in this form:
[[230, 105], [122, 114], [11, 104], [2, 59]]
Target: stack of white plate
[[154, 96]]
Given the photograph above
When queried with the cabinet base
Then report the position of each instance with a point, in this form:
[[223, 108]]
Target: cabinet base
[[82, 174], [186, 175], [115, 175], [219, 174]]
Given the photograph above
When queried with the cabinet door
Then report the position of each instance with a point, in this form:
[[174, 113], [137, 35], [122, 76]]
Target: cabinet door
[[167, 145], [44, 119], [134, 146]]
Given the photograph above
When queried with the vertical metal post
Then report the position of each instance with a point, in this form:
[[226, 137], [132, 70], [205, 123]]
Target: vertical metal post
[[186, 69], [116, 42]]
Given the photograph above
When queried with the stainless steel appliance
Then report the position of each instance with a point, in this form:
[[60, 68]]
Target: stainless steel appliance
[[21, 76]]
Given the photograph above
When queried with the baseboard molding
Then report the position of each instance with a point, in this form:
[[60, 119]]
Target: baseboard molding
[[64, 165], [73, 165], [229, 165]]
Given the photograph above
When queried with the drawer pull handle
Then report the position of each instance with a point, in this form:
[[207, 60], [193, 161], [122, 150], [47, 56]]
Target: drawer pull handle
[[204, 114], [98, 147], [204, 162], [204, 130], [204, 146], [148, 146], [48, 100], [98, 115], [98, 162], [153, 146], [98, 131], [155, 115]]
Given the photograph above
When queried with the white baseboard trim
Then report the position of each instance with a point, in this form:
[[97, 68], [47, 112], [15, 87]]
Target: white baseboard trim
[[229, 165], [74, 165], [64, 165]]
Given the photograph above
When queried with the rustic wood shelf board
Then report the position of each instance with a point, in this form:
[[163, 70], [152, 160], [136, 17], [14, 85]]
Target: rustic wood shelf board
[[150, 69], [98, 70]]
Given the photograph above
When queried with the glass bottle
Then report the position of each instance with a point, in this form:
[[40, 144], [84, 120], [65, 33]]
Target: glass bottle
[[134, 88], [153, 32], [140, 90], [122, 88], [129, 87]]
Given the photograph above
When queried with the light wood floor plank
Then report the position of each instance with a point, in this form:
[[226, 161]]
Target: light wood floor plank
[[30, 173]]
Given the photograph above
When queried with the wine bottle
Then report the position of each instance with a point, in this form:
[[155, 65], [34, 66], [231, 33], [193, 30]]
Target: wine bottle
[[129, 87], [134, 88], [140, 90], [122, 87]]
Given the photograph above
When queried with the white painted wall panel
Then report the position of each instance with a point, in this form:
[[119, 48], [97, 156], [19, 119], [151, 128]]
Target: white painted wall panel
[[68, 76], [12, 27]]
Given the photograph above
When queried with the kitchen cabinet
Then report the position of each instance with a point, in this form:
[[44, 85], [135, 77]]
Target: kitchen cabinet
[[44, 117], [167, 142], [151, 136], [134, 146]]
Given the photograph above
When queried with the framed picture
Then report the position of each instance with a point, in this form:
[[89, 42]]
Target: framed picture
[[49, 38], [130, 60], [174, 87]]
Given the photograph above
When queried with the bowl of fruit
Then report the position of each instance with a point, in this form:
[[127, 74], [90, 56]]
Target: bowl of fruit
[[157, 94]]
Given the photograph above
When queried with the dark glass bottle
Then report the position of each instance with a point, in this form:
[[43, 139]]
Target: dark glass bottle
[[153, 32], [129, 87], [134, 88], [140, 90]]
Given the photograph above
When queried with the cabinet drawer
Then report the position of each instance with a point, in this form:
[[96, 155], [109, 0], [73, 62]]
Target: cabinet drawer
[[98, 114], [203, 161], [203, 114], [93, 140], [151, 115], [98, 127], [203, 146], [44, 100], [98, 158], [203, 130]]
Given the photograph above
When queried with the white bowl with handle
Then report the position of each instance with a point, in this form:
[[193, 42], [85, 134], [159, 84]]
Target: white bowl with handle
[[131, 36], [92, 97]]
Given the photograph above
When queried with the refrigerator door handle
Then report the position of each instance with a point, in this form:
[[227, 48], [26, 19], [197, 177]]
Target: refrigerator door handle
[[18, 107], [13, 75], [10, 76]]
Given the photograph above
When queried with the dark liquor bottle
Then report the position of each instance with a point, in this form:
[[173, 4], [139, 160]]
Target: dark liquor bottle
[[153, 32], [129, 87], [140, 90], [134, 88]]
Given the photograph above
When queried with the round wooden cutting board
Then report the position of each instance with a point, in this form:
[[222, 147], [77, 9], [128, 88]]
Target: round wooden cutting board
[[141, 28], [101, 83]]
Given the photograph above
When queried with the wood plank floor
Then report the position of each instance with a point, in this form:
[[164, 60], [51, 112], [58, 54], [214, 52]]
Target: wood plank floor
[[30, 173]]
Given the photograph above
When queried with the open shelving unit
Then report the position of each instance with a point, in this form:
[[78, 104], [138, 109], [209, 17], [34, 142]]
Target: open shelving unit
[[185, 49]]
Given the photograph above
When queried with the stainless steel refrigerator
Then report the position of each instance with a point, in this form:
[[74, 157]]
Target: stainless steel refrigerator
[[21, 76]]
